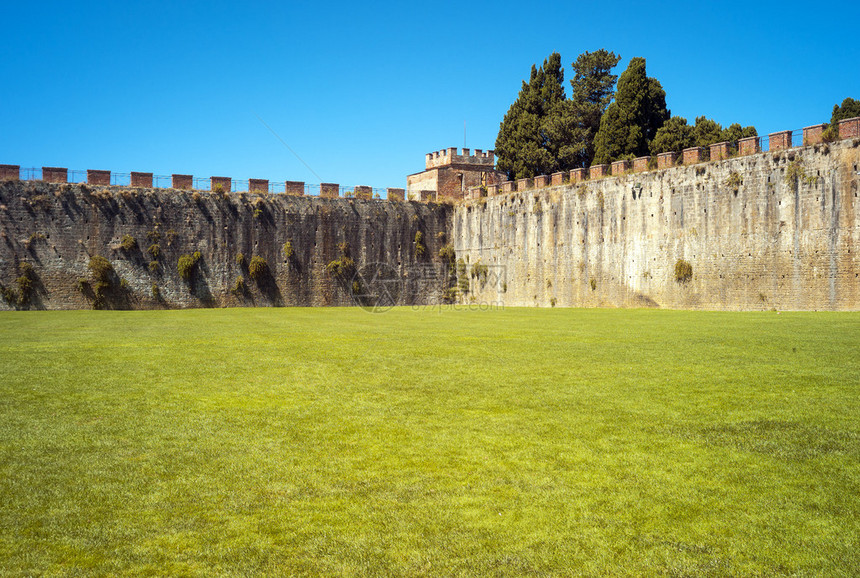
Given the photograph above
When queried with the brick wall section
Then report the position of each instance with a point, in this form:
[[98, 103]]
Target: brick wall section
[[541, 181], [295, 188], [598, 171], [10, 172], [55, 174], [620, 167], [362, 192], [258, 185], [719, 151], [492, 190], [849, 128], [141, 180], [473, 193], [812, 134], [748, 146], [578, 175], [524, 184], [185, 182], [693, 155], [667, 160], [224, 183], [558, 179], [779, 140], [509, 187], [640, 165], [395, 194], [95, 177], [329, 190]]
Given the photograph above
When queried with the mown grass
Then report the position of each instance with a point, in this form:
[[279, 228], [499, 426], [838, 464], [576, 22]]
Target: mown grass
[[523, 441]]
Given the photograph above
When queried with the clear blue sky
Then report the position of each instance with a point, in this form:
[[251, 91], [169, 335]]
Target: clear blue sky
[[362, 90]]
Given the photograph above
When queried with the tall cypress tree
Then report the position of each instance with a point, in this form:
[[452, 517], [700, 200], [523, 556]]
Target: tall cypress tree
[[575, 122], [523, 146], [632, 120]]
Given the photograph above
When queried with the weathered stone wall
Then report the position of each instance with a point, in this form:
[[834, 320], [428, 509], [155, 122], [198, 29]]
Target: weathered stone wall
[[57, 228], [771, 230]]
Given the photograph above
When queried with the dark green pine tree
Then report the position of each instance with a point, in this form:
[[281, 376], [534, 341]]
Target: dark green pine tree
[[574, 122], [632, 121], [736, 132], [523, 147], [850, 108], [707, 132], [674, 136]]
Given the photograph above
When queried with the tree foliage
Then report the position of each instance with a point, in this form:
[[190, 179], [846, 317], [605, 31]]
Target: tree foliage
[[633, 119], [676, 134], [523, 146], [850, 108], [576, 120]]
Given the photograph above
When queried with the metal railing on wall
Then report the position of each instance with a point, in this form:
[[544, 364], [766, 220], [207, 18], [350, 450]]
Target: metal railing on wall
[[78, 176]]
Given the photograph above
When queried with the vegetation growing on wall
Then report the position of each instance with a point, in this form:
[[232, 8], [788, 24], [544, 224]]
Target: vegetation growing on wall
[[128, 243], [258, 269], [683, 271], [187, 265]]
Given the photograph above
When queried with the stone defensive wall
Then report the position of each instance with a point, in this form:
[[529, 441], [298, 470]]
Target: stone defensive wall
[[759, 230], [183, 182], [236, 249]]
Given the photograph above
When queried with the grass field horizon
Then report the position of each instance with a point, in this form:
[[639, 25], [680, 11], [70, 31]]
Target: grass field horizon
[[429, 442]]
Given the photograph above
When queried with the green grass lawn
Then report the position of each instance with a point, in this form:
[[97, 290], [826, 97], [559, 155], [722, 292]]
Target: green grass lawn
[[523, 441]]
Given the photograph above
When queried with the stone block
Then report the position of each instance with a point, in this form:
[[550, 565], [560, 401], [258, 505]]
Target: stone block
[[509, 186], [849, 128], [395, 194], [558, 179], [10, 172], [524, 184], [329, 190], [693, 155], [779, 140], [812, 134], [363, 192], [95, 177], [541, 181], [749, 145], [258, 185], [667, 160], [598, 171], [182, 181], [55, 174], [640, 165], [492, 190], [621, 167], [720, 151], [578, 175], [143, 180], [296, 188], [224, 184]]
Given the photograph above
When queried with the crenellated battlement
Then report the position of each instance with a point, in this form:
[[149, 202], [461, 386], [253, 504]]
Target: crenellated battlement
[[449, 156]]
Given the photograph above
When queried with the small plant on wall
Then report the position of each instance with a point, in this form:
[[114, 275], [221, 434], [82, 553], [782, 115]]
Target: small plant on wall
[[187, 265], [258, 269], [683, 271], [420, 249]]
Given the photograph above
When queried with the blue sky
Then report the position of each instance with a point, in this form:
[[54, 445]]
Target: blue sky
[[362, 90]]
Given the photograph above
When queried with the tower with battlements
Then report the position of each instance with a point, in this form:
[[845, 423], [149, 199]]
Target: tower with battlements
[[447, 174]]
